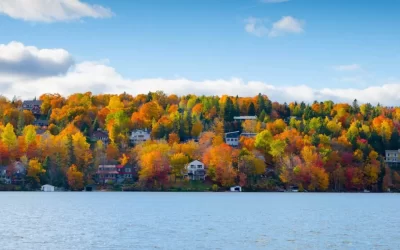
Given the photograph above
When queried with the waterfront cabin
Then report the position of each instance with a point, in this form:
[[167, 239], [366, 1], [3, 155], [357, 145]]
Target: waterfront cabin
[[195, 170], [107, 173], [47, 188], [236, 189], [126, 172]]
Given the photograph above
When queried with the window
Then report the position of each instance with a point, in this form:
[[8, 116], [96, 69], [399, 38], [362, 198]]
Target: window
[[127, 170], [192, 166], [199, 166]]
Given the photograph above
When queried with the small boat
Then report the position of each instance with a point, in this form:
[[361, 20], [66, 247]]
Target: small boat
[[366, 191]]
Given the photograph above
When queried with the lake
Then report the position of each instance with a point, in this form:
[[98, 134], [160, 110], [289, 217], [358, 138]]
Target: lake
[[141, 220]]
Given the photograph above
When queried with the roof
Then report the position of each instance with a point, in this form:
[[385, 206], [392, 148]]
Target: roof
[[248, 117], [392, 151], [47, 185], [99, 134], [234, 134], [32, 102], [195, 162]]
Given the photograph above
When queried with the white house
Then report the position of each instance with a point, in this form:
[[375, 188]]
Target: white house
[[196, 170], [47, 188], [392, 156], [232, 138], [236, 189], [139, 135]]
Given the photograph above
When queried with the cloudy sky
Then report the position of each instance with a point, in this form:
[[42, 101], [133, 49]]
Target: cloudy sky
[[290, 50]]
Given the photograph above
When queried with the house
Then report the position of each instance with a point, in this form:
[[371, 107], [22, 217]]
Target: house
[[107, 173], [195, 170], [125, 173], [47, 188], [41, 123], [249, 135], [139, 135], [392, 156], [33, 106], [236, 189], [17, 172], [4, 177], [232, 138], [100, 135], [244, 118]]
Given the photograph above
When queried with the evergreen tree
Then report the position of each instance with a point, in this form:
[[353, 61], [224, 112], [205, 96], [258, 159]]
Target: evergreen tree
[[229, 110], [251, 110], [20, 123], [260, 104]]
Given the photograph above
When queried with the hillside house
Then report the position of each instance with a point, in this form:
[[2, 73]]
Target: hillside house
[[232, 138], [195, 170], [33, 105], [100, 135], [139, 135]]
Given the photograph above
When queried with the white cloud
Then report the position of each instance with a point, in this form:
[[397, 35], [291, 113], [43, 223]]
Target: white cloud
[[255, 26], [52, 10], [274, 1], [285, 25], [28, 61], [98, 77], [348, 67]]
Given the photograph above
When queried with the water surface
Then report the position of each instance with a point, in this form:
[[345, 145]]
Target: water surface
[[122, 220]]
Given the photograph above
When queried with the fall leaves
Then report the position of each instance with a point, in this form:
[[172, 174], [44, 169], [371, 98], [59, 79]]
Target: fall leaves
[[318, 146]]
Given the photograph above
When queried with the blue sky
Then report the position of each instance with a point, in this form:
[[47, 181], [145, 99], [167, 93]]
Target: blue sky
[[337, 44]]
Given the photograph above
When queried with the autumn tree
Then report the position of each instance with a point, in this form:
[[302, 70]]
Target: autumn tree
[[75, 178]]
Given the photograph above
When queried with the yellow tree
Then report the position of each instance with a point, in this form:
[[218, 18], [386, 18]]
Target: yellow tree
[[81, 149], [197, 129], [35, 169], [178, 163], [75, 178], [8, 136], [123, 159]]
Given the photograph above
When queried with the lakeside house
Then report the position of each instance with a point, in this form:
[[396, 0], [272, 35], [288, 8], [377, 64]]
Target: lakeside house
[[4, 177], [113, 173], [17, 172], [107, 173], [47, 188], [125, 173], [139, 135], [195, 170]]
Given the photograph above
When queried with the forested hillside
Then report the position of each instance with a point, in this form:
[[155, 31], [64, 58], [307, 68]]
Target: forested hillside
[[317, 147]]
